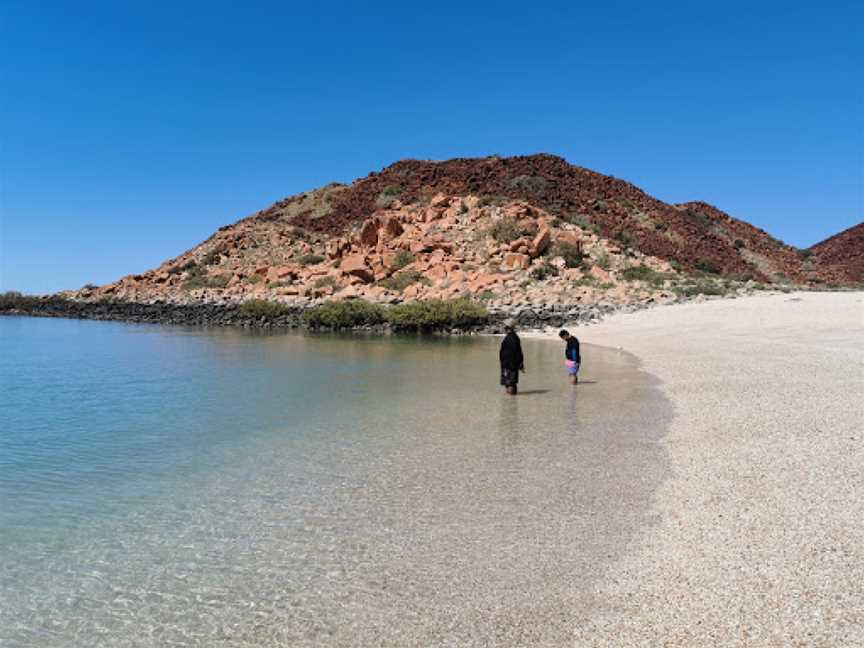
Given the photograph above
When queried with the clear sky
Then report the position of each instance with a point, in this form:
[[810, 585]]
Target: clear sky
[[132, 130]]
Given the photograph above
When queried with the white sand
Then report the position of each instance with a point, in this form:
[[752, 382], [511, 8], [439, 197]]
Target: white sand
[[760, 532]]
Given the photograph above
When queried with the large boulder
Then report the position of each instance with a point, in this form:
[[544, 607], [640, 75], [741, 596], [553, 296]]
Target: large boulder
[[390, 227], [541, 242], [355, 266], [516, 261], [368, 236]]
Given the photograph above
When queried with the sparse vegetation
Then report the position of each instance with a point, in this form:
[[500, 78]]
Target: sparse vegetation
[[402, 280], [626, 238], [392, 191], [211, 258], [738, 244], [324, 282], [201, 280], [699, 288], [402, 259], [708, 266], [486, 295], [580, 220], [253, 279], [436, 314], [344, 314], [530, 184], [805, 254], [644, 273], [603, 261], [543, 271], [506, 230], [698, 218], [310, 259], [90, 286], [299, 234], [572, 254]]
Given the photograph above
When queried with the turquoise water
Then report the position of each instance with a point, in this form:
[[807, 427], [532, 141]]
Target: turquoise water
[[166, 486]]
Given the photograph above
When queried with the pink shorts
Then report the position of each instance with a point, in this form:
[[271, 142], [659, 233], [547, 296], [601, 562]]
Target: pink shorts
[[572, 367]]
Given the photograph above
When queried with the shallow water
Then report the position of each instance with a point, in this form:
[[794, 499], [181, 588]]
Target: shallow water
[[187, 487]]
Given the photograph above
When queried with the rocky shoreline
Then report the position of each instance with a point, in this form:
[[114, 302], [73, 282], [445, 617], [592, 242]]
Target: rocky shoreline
[[233, 315]]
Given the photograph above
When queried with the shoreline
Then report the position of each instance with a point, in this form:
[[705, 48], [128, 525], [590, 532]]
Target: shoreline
[[756, 540], [531, 318]]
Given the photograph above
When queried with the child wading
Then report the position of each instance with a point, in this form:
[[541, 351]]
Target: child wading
[[572, 359]]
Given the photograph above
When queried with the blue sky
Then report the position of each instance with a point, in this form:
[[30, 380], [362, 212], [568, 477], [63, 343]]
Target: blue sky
[[132, 130]]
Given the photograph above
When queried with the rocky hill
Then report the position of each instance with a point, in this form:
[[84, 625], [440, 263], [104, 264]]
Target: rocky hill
[[840, 259], [521, 232]]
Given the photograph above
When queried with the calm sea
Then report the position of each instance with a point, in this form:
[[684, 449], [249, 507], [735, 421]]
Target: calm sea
[[187, 487]]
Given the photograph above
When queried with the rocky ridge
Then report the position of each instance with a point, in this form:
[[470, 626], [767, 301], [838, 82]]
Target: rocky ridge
[[523, 235]]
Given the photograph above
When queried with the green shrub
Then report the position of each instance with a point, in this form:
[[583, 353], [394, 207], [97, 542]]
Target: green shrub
[[401, 281], [606, 285], [805, 254], [580, 220], [402, 259], [644, 273], [253, 279], [603, 260], [699, 288], [344, 314], [14, 300], [530, 184], [572, 254], [203, 281], [738, 244], [707, 265], [626, 238], [698, 218], [210, 258], [506, 230], [543, 271], [392, 191], [258, 308], [324, 282], [299, 234], [437, 314], [90, 286], [660, 226], [310, 259]]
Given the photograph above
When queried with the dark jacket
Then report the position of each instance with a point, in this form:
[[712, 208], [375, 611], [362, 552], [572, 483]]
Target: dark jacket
[[571, 351], [511, 353]]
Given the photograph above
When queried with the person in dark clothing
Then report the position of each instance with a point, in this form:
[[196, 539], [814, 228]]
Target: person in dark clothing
[[511, 358], [572, 357]]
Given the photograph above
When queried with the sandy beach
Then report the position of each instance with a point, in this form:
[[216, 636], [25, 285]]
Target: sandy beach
[[758, 538]]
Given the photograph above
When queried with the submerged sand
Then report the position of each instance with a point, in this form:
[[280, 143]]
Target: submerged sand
[[759, 539]]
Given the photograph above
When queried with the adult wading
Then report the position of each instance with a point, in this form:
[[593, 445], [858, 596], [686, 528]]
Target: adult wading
[[511, 358]]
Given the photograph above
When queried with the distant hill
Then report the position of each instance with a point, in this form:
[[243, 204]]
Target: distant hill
[[840, 258], [522, 230]]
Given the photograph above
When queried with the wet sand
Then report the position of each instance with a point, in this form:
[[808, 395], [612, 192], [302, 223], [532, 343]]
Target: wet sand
[[759, 534]]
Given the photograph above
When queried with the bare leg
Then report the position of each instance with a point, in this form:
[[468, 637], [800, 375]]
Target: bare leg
[[574, 379]]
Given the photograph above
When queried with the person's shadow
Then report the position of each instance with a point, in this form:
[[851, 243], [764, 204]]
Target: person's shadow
[[529, 392]]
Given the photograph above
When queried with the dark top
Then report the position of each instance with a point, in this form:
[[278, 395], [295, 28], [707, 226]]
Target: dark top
[[571, 351], [511, 353]]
